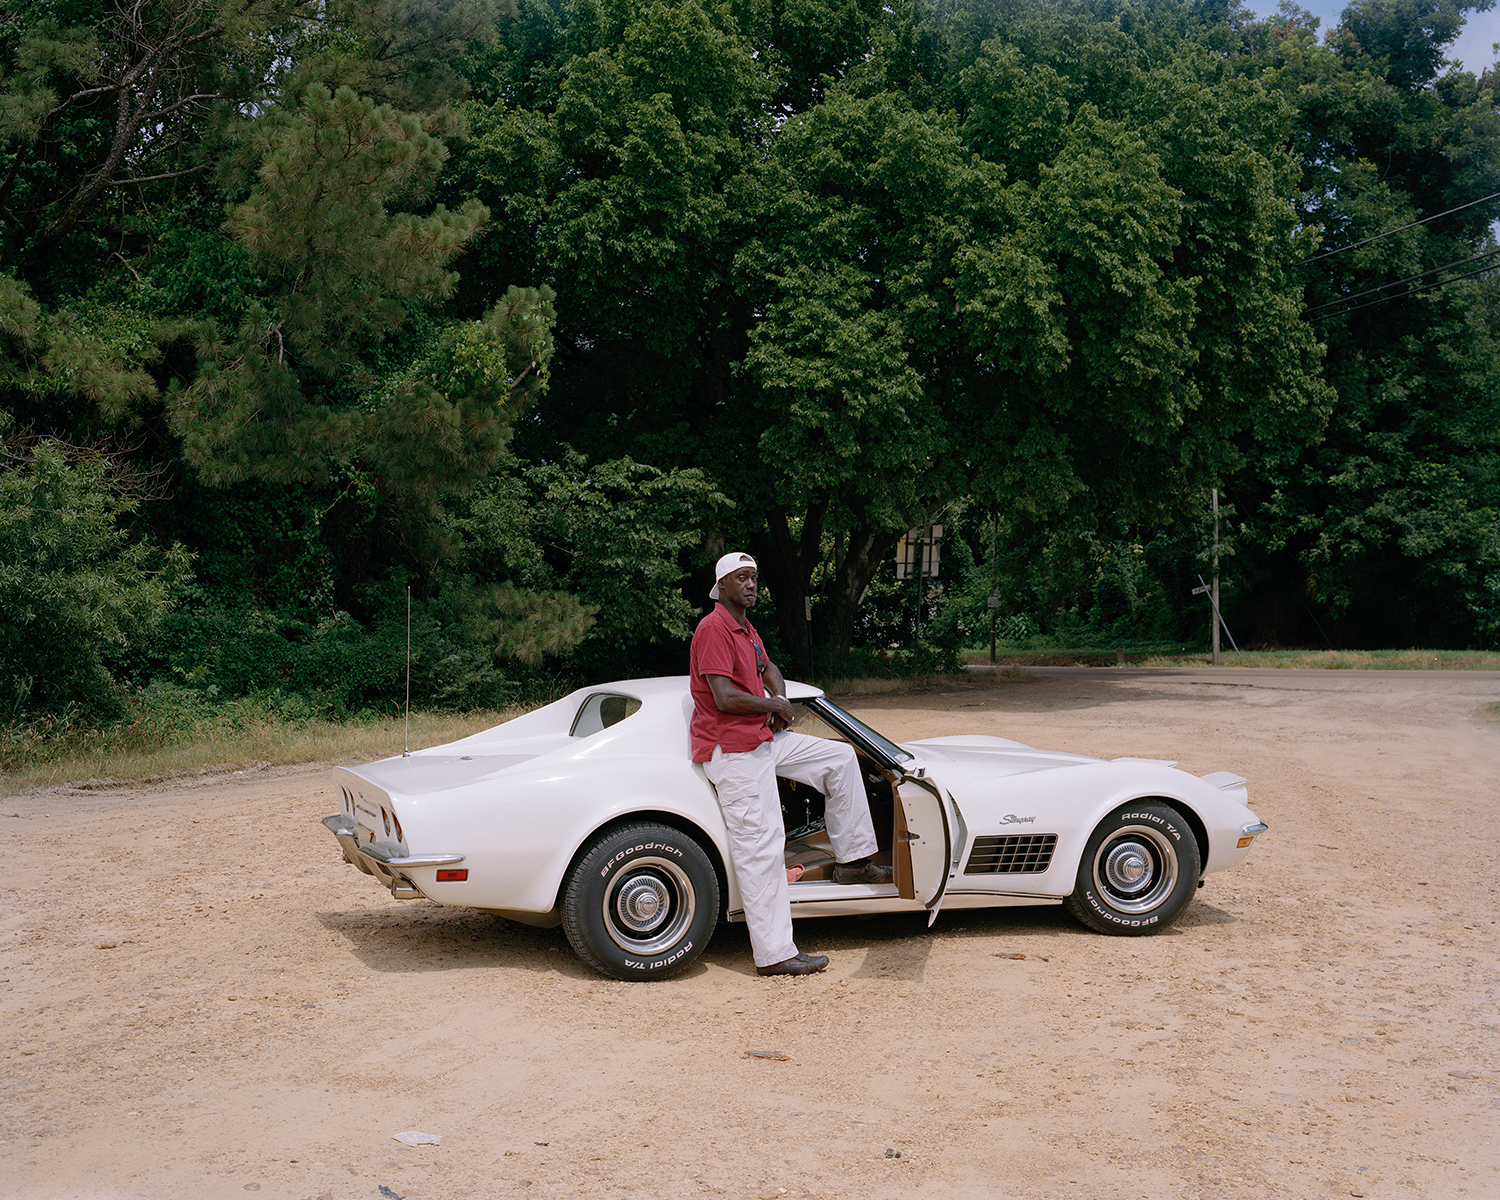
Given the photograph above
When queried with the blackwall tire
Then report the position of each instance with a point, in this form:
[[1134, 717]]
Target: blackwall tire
[[641, 903], [1138, 871]]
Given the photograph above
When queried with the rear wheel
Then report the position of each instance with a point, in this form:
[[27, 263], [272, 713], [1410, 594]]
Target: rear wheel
[[1138, 871], [641, 903]]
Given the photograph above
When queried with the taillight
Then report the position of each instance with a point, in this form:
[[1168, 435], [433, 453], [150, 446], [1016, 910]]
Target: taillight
[[400, 837]]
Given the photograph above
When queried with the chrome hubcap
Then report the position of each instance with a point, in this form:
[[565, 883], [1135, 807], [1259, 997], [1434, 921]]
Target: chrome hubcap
[[649, 907], [1136, 869], [640, 901], [1127, 868]]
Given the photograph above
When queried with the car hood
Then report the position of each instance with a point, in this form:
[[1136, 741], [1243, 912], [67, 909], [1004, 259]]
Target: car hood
[[998, 756]]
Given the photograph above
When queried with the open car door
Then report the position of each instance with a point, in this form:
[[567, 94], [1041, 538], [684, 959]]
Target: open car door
[[927, 837]]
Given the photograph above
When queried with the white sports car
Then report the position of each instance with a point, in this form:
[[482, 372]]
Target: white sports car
[[589, 813]]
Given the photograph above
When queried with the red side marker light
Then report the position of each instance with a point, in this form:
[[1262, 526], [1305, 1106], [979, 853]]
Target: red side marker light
[[457, 876]]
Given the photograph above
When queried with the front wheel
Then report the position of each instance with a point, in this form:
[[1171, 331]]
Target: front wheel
[[1138, 871], [641, 903]]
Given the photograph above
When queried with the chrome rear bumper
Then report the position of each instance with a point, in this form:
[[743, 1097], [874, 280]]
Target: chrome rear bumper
[[382, 860]]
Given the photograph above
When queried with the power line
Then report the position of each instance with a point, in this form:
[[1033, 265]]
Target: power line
[[1398, 282], [1403, 295], [1398, 229]]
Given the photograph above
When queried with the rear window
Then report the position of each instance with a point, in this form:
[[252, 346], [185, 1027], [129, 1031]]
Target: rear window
[[601, 710]]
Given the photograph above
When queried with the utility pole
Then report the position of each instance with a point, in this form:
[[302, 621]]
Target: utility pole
[[917, 618], [993, 601], [1213, 589], [1216, 577]]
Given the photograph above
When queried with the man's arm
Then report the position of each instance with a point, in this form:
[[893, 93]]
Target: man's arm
[[732, 699], [776, 685]]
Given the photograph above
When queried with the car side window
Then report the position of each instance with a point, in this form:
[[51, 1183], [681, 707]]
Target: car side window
[[810, 723], [601, 710]]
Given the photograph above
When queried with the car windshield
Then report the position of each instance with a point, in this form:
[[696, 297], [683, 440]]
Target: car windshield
[[847, 728]]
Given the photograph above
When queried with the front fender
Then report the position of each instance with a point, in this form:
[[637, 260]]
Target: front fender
[[1071, 801]]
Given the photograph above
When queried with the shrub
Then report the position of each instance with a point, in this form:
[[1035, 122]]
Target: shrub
[[73, 585]]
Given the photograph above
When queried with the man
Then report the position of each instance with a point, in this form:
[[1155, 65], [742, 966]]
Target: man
[[740, 735]]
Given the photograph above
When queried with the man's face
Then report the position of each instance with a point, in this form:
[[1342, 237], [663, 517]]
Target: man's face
[[739, 587]]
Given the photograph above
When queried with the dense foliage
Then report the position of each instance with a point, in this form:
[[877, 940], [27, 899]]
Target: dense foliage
[[534, 309], [73, 586]]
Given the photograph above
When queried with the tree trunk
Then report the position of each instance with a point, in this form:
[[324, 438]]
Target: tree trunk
[[786, 567], [817, 649], [834, 632]]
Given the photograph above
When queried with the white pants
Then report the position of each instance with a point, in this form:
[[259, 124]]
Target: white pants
[[746, 784]]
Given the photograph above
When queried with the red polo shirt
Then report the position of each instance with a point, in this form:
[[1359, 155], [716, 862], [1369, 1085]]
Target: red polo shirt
[[722, 646]]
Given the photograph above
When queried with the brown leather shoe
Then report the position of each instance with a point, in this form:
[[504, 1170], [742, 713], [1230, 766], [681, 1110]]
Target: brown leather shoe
[[862, 872], [803, 964]]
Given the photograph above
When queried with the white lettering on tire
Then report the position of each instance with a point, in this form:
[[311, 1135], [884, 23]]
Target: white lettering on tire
[[624, 854]]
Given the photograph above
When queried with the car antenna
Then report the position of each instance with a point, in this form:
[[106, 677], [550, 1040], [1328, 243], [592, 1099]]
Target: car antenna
[[406, 746]]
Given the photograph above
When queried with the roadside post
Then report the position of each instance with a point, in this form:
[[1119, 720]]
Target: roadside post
[[1213, 600], [994, 603], [1216, 578], [917, 558], [994, 598]]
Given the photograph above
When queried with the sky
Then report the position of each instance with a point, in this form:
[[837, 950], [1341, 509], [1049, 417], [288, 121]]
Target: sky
[[1476, 41], [1473, 46]]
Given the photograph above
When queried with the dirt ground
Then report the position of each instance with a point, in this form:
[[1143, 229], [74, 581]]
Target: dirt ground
[[200, 1000]]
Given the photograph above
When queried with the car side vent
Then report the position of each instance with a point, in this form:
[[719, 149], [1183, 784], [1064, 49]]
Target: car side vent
[[1027, 854]]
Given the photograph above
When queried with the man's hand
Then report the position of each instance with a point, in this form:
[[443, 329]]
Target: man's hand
[[779, 720]]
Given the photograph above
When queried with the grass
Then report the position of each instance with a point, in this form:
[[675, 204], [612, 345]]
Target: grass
[[174, 731], [56, 756], [1335, 660], [923, 683], [882, 686]]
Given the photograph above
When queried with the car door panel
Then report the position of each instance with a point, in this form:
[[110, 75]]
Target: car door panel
[[927, 841]]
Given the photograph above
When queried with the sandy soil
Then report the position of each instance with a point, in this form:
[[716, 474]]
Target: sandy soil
[[200, 1000]]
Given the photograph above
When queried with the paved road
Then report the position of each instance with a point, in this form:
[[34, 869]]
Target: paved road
[[1455, 683]]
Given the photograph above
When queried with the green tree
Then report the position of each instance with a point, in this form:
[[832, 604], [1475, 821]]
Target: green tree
[[606, 543], [114, 121], [1049, 269], [303, 357], [99, 99], [73, 584], [1385, 531], [272, 397]]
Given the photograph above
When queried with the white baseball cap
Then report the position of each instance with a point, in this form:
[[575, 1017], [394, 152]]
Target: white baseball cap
[[726, 565]]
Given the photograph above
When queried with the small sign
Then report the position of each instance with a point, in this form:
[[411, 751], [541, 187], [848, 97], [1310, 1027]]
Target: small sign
[[1198, 591], [917, 552], [994, 600]]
